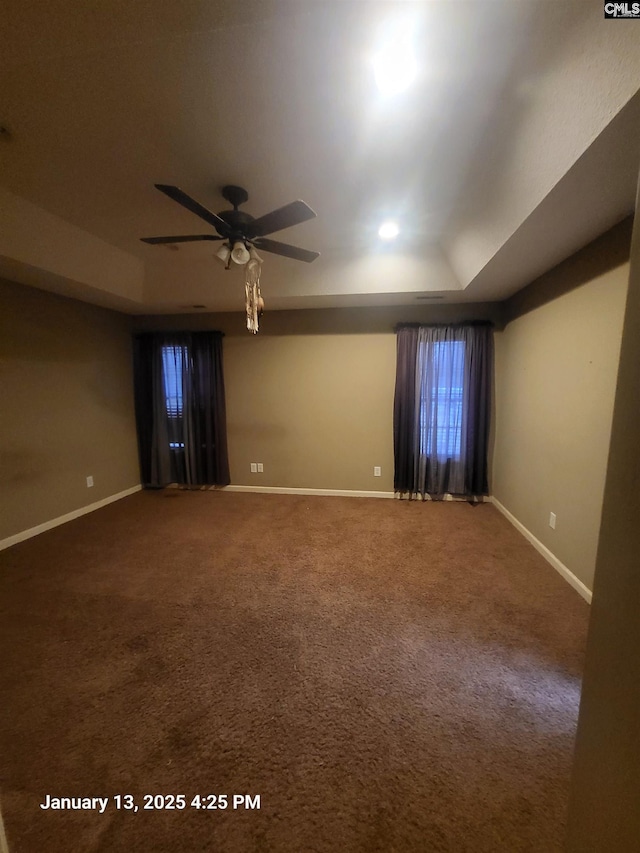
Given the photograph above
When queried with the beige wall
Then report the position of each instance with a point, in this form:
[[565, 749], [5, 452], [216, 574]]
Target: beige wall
[[556, 370], [603, 812], [67, 406], [316, 410]]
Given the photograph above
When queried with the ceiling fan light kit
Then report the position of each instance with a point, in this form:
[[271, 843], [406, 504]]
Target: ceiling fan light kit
[[224, 253], [242, 235], [240, 253]]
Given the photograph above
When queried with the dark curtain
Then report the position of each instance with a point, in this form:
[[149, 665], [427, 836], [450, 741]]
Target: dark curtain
[[210, 460], [442, 410], [480, 379], [180, 408], [404, 408], [143, 349]]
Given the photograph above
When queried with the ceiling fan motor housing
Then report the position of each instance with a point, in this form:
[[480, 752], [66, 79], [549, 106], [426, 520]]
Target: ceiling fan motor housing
[[237, 220]]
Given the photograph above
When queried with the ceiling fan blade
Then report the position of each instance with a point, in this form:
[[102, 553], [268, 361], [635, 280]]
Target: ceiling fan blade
[[284, 249], [185, 238], [195, 207], [283, 217]]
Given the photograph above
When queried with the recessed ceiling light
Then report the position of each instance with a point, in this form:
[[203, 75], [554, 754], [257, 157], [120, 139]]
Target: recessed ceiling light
[[395, 66], [388, 231]]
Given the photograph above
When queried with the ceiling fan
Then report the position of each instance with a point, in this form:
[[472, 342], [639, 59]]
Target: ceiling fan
[[237, 227]]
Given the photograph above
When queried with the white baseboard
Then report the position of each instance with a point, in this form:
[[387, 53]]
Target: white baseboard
[[344, 493], [566, 573], [62, 519], [279, 490], [550, 557]]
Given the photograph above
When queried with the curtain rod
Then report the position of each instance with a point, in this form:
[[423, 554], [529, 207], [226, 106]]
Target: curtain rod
[[399, 326], [140, 333]]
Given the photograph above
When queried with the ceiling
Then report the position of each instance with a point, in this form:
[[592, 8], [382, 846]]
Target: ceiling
[[515, 146]]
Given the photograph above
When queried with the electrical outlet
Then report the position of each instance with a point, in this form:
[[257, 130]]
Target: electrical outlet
[[89, 482], [377, 471], [552, 520], [260, 468], [254, 468]]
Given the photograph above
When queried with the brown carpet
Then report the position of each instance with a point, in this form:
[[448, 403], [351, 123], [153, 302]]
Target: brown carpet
[[387, 676]]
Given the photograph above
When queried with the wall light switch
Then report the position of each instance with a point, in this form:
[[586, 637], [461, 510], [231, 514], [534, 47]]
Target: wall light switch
[[377, 471], [552, 520], [254, 468], [89, 482], [260, 468]]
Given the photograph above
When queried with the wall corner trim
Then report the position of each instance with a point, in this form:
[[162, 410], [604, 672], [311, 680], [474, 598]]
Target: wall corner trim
[[549, 556], [279, 490], [62, 519]]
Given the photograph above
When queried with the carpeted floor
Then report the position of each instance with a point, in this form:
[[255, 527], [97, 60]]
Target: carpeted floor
[[385, 675]]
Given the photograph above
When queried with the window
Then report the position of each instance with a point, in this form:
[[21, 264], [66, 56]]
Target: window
[[441, 399], [441, 409], [180, 408], [172, 360]]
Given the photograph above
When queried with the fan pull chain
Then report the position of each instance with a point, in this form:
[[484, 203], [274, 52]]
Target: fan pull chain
[[253, 298]]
